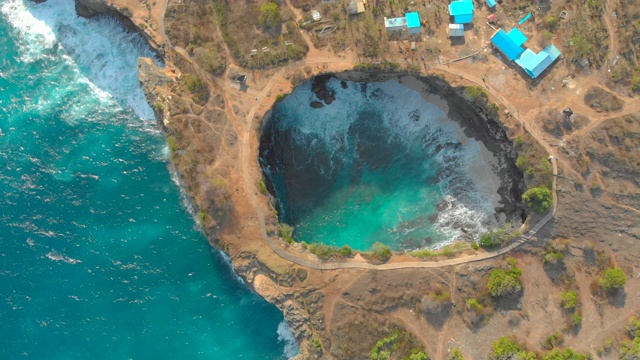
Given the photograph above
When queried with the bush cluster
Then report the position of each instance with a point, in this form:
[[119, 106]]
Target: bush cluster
[[505, 281], [539, 199]]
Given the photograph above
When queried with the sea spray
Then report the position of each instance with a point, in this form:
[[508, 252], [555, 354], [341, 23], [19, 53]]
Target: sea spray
[[95, 46], [285, 335], [377, 164]]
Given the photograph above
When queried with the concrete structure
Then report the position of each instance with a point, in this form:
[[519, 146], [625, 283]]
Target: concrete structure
[[410, 21], [395, 24], [413, 22], [456, 30], [356, 7], [462, 11], [535, 64], [510, 44]]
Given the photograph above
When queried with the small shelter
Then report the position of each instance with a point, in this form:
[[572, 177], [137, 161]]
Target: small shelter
[[491, 3], [462, 11], [567, 112], [456, 30], [510, 44], [413, 22], [535, 64], [395, 24], [492, 18], [356, 7]]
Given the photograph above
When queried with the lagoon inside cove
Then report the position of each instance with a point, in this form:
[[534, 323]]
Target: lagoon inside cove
[[101, 258], [376, 162]]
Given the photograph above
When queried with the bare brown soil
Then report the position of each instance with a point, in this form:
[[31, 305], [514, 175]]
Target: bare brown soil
[[348, 310]]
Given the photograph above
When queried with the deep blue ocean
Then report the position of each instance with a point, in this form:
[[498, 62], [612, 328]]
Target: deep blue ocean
[[100, 258]]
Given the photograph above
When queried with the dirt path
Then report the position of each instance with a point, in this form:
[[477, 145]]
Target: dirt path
[[613, 36]]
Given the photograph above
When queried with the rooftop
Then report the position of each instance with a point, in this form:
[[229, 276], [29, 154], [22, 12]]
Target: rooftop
[[535, 64], [413, 19], [462, 7], [510, 44]]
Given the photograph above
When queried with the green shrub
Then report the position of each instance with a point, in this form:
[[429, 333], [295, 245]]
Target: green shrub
[[383, 348], [381, 251], [634, 327], [507, 349], [494, 238], [172, 143], [504, 282], [521, 161], [613, 279], [262, 187], [417, 354], [566, 354], [286, 233], [424, 253], [539, 199], [552, 257], [569, 300], [630, 350], [455, 355], [269, 15], [518, 141], [476, 94], [474, 305], [345, 251], [576, 319], [202, 216], [553, 340]]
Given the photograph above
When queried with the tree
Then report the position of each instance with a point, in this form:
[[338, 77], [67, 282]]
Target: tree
[[567, 354], [613, 279], [269, 15], [539, 199], [504, 282], [569, 300], [506, 349]]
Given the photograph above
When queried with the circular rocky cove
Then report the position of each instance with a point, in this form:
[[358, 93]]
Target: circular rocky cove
[[354, 163]]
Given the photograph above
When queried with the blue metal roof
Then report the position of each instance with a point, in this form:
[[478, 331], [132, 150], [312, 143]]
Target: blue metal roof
[[535, 64], [517, 36], [461, 8], [413, 19], [507, 45], [491, 3], [463, 19]]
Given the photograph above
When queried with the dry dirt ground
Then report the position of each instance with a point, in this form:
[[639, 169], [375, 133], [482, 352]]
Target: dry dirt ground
[[347, 311]]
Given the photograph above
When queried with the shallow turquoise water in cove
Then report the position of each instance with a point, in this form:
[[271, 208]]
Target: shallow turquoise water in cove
[[378, 164], [100, 259]]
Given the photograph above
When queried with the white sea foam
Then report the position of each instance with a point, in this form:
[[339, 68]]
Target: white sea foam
[[285, 335], [102, 54], [55, 256], [227, 261]]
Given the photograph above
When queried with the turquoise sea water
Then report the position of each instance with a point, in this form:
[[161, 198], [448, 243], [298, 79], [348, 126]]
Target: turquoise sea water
[[378, 164], [100, 259]]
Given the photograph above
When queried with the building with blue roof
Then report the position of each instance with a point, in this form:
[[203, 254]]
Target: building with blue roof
[[413, 22], [461, 11], [510, 44], [491, 3], [535, 64]]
